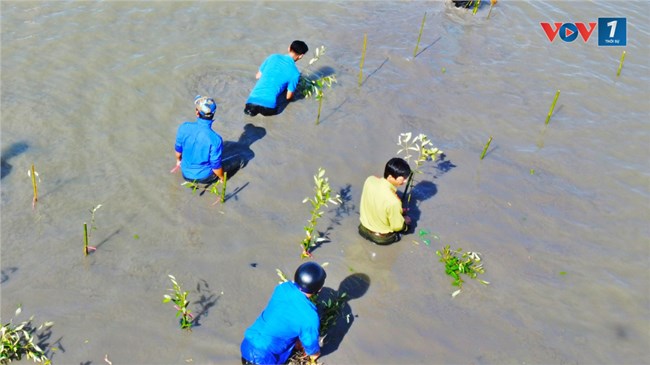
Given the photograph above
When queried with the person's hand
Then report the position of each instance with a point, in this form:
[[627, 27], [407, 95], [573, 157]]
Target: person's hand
[[178, 166], [405, 210], [407, 220]]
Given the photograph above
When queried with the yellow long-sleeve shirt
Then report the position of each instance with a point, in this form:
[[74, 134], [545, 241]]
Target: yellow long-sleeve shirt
[[381, 208]]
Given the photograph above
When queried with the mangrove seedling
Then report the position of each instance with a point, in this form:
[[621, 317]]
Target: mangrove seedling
[[191, 184], [363, 58], [87, 234], [18, 341], [34, 175], [415, 51], [219, 189], [323, 195], [426, 152], [550, 112], [477, 3], [618, 73], [313, 85], [487, 145], [457, 263], [179, 298]]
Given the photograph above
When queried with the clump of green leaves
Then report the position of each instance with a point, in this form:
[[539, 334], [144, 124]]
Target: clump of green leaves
[[179, 298], [18, 341], [458, 263], [420, 145], [322, 196], [313, 84]]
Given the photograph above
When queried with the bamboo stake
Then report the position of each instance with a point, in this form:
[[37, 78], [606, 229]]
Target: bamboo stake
[[85, 239], [320, 105], [487, 145], [34, 186], [550, 112], [415, 51], [620, 65], [363, 57]]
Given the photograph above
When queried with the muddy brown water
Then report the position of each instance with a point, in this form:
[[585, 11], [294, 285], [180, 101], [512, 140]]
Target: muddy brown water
[[92, 94]]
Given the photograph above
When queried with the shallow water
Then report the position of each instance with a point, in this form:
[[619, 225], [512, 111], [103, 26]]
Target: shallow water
[[92, 94]]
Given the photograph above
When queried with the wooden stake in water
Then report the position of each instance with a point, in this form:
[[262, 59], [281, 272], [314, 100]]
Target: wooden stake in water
[[487, 145], [363, 57], [34, 186], [85, 239], [415, 51], [320, 105], [492, 2], [550, 112], [620, 66]]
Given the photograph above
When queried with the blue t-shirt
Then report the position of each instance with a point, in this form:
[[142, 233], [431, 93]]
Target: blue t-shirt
[[289, 316], [279, 72], [201, 148]]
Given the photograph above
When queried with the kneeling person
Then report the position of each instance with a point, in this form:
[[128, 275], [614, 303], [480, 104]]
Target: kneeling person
[[382, 216], [289, 320]]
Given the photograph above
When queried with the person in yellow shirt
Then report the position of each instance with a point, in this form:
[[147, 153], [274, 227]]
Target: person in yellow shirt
[[382, 216]]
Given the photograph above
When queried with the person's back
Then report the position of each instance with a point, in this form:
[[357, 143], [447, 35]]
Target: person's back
[[279, 73], [276, 74]]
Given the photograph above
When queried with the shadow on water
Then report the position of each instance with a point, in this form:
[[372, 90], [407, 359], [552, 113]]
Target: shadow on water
[[427, 47], [236, 155], [206, 301], [424, 190], [342, 210], [6, 273], [355, 286], [14, 150]]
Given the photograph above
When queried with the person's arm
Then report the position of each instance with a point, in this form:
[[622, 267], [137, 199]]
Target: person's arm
[[289, 95], [395, 218], [258, 75], [179, 157], [219, 172]]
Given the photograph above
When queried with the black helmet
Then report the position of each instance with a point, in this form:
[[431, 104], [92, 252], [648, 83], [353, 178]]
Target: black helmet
[[310, 277]]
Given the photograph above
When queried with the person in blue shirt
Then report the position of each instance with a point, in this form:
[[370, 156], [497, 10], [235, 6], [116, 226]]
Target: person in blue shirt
[[199, 148], [276, 74], [290, 320]]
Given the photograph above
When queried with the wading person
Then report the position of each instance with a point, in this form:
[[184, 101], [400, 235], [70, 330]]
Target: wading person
[[382, 217], [276, 74], [289, 321], [198, 148]]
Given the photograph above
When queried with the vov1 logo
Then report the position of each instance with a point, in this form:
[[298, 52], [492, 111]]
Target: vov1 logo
[[611, 31]]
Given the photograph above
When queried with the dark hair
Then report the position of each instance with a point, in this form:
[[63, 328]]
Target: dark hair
[[397, 167], [299, 47]]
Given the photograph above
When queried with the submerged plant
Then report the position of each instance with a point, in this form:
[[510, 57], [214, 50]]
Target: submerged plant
[[313, 85], [179, 298], [425, 150], [457, 263], [323, 195], [18, 341]]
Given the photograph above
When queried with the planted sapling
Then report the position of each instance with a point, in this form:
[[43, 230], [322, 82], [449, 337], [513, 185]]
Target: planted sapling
[[323, 195], [34, 175], [18, 341], [425, 150], [313, 85], [179, 298], [415, 51]]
